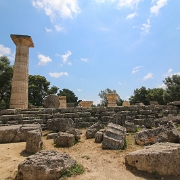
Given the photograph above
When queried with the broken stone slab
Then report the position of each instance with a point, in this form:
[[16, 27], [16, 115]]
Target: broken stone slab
[[16, 133], [130, 127], [92, 130], [165, 133], [34, 141], [64, 140], [114, 137], [44, 165], [60, 124], [76, 132], [161, 158], [52, 135]]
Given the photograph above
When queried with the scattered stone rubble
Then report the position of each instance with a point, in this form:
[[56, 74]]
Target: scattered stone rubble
[[92, 130], [160, 158], [165, 133], [44, 165], [114, 137]]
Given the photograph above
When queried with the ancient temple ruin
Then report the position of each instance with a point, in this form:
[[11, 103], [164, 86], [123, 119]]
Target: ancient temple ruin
[[19, 90]]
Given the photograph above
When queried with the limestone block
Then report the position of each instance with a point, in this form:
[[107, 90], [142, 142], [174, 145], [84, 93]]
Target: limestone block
[[44, 165], [64, 140], [60, 124], [114, 137], [161, 158], [165, 133], [34, 141], [51, 101]]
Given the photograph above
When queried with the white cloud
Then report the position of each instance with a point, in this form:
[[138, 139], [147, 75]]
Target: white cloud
[[59, 28], [159, 4], [128, 3], [100, 1], [145, 27], [52, 8], [163, 86], [43, 60], [169, 71], [4, 51], [119, 83], [84, 59], [48, 30], [65, 58], [148, 76], [131, 16], [79, 90], [136, 69], [57, 75]]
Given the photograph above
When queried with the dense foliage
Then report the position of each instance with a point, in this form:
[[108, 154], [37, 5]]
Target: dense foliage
[[144, 96], [37, 89], [6, 73]]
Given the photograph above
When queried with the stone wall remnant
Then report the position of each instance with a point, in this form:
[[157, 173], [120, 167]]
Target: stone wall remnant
[[19, 90]]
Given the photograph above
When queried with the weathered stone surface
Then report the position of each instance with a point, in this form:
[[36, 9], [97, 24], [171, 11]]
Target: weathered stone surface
[[99, 137], [92, 130], [51, 101], [52, 135], [16, 133], [60, 124], [76, 132], [165, 133], [161, 158], [44, 165], [64, 140], [34, 141], [114, 137], [130, 127]]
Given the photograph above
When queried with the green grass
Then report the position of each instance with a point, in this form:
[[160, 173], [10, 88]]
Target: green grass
[[77, 169]]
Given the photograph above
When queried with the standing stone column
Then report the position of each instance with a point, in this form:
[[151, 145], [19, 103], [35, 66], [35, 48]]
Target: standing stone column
[[19, 89]]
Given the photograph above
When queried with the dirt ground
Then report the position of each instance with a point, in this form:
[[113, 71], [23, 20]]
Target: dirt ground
[[99, 164]]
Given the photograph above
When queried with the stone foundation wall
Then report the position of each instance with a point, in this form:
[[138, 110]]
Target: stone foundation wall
[[85, 117]]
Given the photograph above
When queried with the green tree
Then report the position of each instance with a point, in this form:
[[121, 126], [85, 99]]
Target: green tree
[[6, 74], [172, 92], [37, 90], [156, 94], [70, 96], [140, 96], [53, 90], [104, 101]]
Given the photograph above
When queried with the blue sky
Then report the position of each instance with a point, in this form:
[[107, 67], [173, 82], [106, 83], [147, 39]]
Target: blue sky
[[90, 45]]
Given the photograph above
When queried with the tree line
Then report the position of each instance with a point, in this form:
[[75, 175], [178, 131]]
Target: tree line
[[39, 87]]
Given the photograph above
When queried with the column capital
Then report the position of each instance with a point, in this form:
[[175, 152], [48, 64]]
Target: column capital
[[22, 40]]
